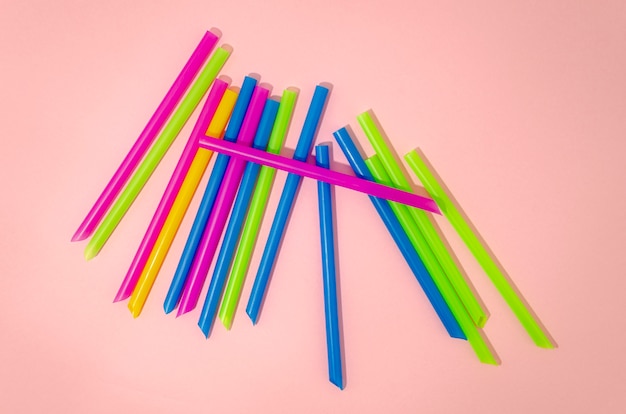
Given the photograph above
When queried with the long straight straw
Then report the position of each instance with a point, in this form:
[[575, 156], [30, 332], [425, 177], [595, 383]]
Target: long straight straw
[[287, 198], [304, 169], [258, 204], [173, 186], [433, 251], [440, 306], [156, 153], [517, 305], [145, 139], [179, 208], [327, 238], [432, 265], [237, 217], [223, 203], [208, 198]]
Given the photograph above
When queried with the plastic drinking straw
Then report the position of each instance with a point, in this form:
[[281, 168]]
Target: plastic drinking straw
[[237, 217], [287, 198], [223, 203], [481, 254], [210, 192], [179, 208], [425, 227], [259, 201], [304, 169], [173, 186], [432, 265], [442, 309], [327, 238], [164, 110], [156, 153]]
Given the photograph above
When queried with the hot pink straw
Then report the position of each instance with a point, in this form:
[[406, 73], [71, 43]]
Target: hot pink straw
[[305, 169], [165, 205], [221, 207], [162, 113]]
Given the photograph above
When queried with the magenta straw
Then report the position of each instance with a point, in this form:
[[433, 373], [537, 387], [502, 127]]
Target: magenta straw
[[162, 113], [305, 169], [173, 186], [221, 207]]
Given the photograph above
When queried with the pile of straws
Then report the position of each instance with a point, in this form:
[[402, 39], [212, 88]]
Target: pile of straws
[[247, 129]]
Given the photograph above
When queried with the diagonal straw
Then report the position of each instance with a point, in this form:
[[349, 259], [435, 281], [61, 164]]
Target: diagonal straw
[[471, 240], [185, 193], [156, 122], [433, 247], [156, 153]]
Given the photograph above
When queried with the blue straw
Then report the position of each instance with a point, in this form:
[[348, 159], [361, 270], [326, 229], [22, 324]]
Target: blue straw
[[327, 237], [285, 204], [399, 236], [206, 205], [237, 217]]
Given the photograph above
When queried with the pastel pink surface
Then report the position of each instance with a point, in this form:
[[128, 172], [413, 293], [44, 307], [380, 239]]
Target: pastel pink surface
[[518, 103], [221, 207], [147, 136], [171, 191]]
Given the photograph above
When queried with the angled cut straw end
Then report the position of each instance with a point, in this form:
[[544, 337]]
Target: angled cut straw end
[[253, 316], [227, 322], [205, 328], [80, 235], [91, 252], [134, 310], [168, 307], [121, 296], [338, 382], [183, 309]]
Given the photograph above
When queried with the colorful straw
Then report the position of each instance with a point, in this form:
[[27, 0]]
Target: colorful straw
[[304, 169], [181, 203], [156, 153], [237, 217], [430, 246], [432, 265], [165, 204], [223, 203], [257, 204], [327, 238], [164, 110], [517, 305], [442, 309], [287, 198], [210, 192]]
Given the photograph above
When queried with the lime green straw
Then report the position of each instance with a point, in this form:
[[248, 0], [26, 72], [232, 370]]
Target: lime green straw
[[507, 291], [423, 222], [250, 231], [156, 153], [401, 211]]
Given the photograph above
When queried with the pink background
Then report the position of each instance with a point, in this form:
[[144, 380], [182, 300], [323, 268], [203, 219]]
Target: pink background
[[521, 108]]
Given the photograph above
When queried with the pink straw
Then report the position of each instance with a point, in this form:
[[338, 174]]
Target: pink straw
[[165, 205], [305, 169], [162, 113], [221, 207]]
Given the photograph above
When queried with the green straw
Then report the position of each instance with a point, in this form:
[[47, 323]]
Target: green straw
[[250, 231], [401, 211], [423, 222], [156, 153], [507, 291]]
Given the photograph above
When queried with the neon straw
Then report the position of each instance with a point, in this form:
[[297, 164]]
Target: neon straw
[[517, 305], [443, 284], [433, 251], [173, 186], [223, 203], [257, 205], [304, 169], [156, 153], [327, 238], [145, 139], [442, 309], [287, 198], [179, 208], [210, 192], [237, 217]]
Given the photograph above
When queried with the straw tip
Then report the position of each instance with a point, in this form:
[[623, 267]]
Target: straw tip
[[338, 382], [206, 330], [121, 296], [227, 322], [90, 252], [79, 236], [134, 310], [168, 308]]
